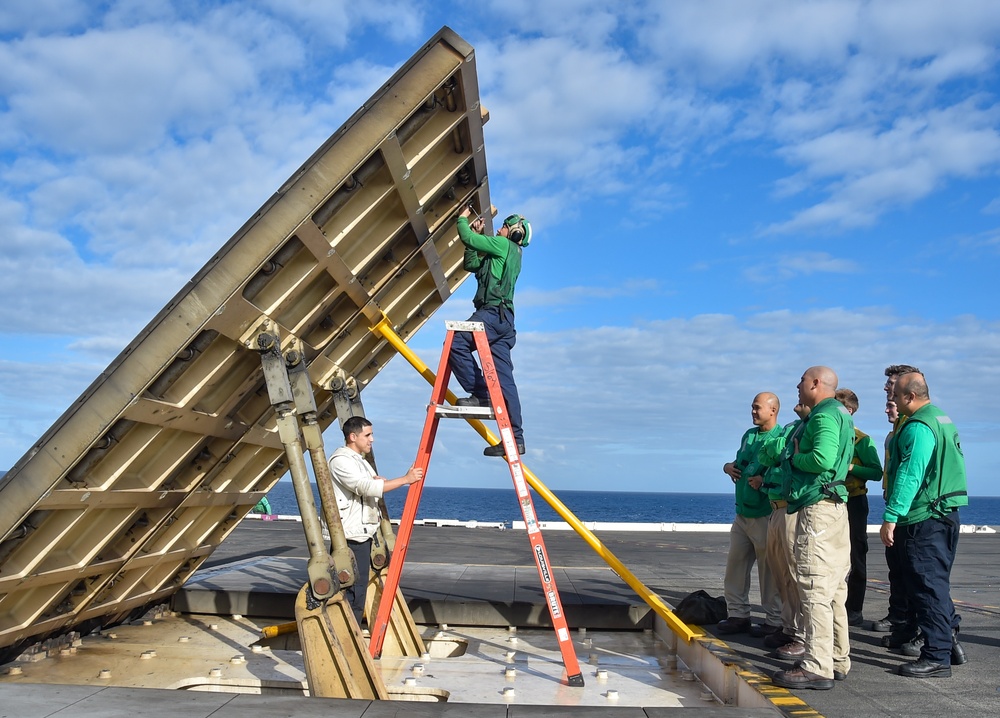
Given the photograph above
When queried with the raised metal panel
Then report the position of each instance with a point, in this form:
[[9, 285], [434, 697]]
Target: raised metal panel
[[151, 468]]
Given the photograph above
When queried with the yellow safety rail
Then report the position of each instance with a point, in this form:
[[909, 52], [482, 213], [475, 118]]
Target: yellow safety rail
[[385, 330]]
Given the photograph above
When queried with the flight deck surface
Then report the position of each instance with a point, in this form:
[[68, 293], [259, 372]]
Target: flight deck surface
[[456, 570]]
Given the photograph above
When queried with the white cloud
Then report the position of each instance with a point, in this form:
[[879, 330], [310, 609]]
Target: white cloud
[[799, 264], [34, 392], [568, 296], [566, 110], [587, 22], [869, 170], [677, 392], [50, 290], [333, 22], [721, 41], [38, 16], [918, 29], [108, 91]]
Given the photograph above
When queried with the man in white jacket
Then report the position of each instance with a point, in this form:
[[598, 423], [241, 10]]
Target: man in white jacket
[[358, 489]]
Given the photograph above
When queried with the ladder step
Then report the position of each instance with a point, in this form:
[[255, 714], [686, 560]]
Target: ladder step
[[447, 411]]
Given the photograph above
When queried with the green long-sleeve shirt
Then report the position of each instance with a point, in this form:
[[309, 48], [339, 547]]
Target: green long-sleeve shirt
[[865, 466], [915, 446], [773, 456], [750, 502], [824, 453], [496, 262]]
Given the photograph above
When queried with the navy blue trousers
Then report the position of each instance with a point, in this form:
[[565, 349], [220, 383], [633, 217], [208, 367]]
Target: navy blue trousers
[[357, 593], [857, 579], [501, 335], [899, 604], [928, 552]]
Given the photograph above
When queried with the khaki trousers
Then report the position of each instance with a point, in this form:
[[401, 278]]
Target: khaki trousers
[[748, 545], [780, 537], [822, 550]]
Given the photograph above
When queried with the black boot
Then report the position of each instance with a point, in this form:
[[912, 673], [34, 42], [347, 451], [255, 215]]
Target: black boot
[[912, 648], [958, 657], [898, 639], [924, 668]]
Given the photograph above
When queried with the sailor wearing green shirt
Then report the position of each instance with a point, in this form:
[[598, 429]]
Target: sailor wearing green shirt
[[865, 466], [748, 535], [926, 487], [781, 534], [496, 262], [899, 620], [822, 547]]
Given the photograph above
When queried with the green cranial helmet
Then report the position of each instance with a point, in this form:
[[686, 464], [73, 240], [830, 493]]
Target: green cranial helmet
[[518, 229]]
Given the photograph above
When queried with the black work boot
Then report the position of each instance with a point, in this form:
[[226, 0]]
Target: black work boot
[[912, 648], [924, 668], [498, 450], [898, 639], [958, 657]]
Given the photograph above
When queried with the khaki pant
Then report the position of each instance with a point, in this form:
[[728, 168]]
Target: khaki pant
[[822, 552], [780, 537], [747, 545]]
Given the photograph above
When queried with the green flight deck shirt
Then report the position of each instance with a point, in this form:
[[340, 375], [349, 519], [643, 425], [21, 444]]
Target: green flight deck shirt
[[865, 466], [926, 469], [826, 448], [496, 262], [750, 502]]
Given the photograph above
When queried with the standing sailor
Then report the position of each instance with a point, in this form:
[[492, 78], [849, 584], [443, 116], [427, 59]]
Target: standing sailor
[[496, 262]]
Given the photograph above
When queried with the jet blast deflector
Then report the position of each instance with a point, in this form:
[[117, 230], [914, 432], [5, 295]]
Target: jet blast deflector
[[154, 465]]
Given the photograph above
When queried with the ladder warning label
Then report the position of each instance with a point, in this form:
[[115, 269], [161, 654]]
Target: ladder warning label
[[522, 490], [554, 605], [528, 511]]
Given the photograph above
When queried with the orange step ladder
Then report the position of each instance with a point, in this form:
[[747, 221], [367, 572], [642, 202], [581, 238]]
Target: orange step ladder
[[436, 410]]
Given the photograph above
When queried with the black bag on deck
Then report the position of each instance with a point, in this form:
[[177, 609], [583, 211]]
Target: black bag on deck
[[700, 609]]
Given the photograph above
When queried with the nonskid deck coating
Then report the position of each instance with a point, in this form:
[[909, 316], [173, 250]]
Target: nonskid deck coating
[[670, 564], [499, 666]]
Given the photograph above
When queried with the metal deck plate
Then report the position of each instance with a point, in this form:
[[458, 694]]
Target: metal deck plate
[[162, 456], [463, 665]]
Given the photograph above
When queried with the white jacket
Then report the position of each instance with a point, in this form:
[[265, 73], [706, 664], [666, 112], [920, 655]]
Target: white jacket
[[357, 490]]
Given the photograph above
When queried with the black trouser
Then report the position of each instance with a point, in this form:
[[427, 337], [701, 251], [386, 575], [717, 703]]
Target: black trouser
[[356, 594], [928, 552], [857, 580], [899, 604], [502, 336]]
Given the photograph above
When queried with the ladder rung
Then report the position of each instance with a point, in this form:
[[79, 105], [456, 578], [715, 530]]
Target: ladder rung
[[447, 411], [455, 326]]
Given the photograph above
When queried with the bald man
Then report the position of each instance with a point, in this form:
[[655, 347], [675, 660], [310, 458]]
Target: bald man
[[817, 470], [926, 487], [748, 536]]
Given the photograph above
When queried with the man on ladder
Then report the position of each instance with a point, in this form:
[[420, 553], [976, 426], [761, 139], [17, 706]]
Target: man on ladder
[[496, 262]]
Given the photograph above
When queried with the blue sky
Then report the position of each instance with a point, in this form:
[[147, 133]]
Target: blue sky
[[722, 194]]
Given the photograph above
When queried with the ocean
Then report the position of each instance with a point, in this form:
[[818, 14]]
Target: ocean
[[496, 505]]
